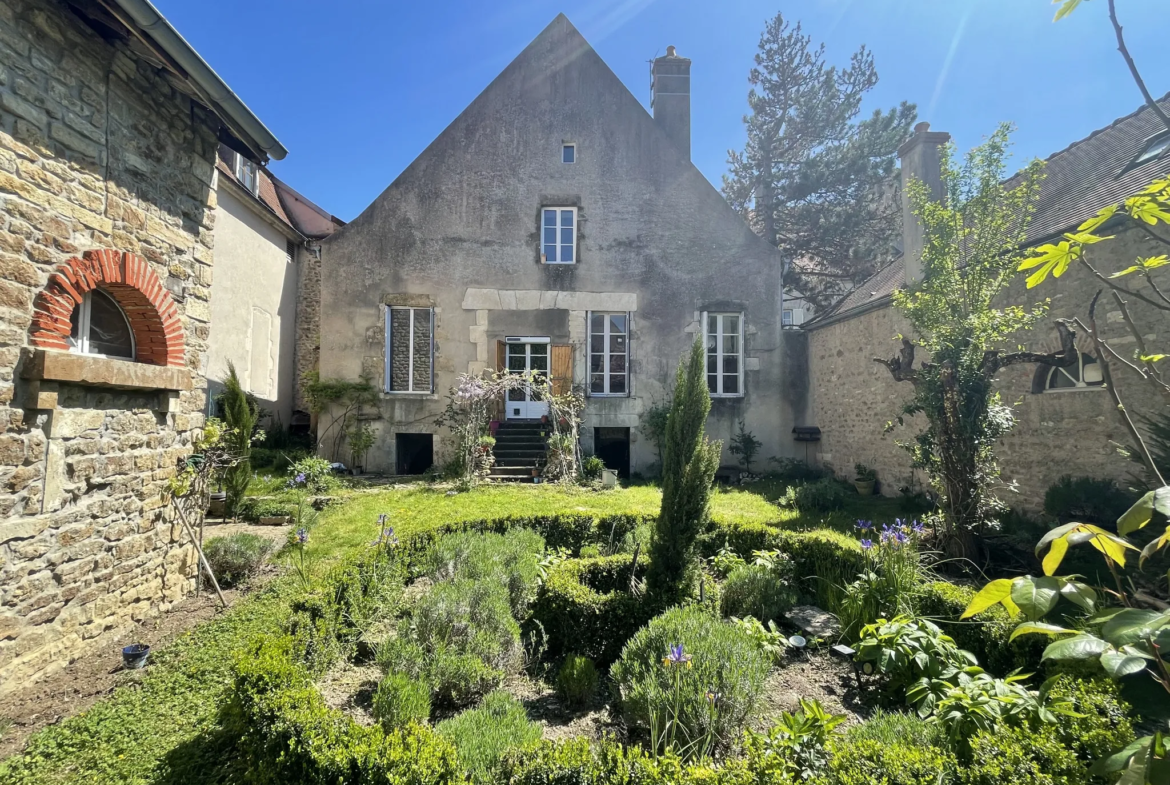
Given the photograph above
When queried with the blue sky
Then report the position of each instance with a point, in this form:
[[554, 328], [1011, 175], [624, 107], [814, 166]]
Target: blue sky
[[356, 89]]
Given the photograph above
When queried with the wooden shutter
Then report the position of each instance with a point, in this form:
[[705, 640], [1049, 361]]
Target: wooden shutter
[[501, 356], [562, 368]]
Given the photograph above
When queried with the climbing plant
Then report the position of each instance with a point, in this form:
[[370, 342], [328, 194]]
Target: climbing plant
[[341, 401]]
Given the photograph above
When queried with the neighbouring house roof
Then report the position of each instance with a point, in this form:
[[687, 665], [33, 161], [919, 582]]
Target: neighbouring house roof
[[1078, 181], [284, 204], [148, 33]]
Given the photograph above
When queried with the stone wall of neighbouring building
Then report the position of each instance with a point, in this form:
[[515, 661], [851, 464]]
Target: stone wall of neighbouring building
[[307, 343], [1056, 433], [97, 151]]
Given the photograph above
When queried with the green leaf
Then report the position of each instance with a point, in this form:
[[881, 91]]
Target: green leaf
[[1142, 511], [991, 594], [1035, 596], [1039, 627], [1133, 625], [1153, 358], [1100, 218], [1118, 665], [1067, 7], [1078, 647], [1080, 594], [1117, 761], [1055, 556]]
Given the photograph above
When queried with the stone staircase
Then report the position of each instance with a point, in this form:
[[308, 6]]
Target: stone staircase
[[521, 445]]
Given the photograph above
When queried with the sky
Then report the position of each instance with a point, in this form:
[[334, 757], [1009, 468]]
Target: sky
[[356, 89]]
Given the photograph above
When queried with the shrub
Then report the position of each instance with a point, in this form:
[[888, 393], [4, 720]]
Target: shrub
[[866, 761], [1022, 757], [591, 468], [510, 559], [455, 679], [897, 727], [400, 700], [689, 462], [1087, 500], [482, 735], [794, 470], [708, 697], [755, 590], [240, 414], [583, 762], [471, 617], [745, 446], [577, 680], [584, 606], [318, 474], [1103, 726], [825, 495], [795, 748], [253, 509], [988, 637], [237, 557], [906, 651]]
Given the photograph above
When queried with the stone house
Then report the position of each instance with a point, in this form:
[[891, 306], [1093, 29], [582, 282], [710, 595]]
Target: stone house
[[266, 245], [109, 129], [556, 226], [1066, 421]]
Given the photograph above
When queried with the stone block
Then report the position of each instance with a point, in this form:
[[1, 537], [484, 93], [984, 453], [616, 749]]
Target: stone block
[[22, 529], [473, 299]]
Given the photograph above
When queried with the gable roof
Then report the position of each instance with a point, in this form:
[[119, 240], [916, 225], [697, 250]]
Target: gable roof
[[286, 205], [1078, 181], [560, 48]]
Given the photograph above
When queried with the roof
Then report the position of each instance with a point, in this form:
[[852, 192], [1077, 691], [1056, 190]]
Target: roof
[[284, 204], [151, 36], [1079, 180]]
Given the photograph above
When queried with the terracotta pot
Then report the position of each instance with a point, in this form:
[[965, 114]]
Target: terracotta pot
[[864, 487]]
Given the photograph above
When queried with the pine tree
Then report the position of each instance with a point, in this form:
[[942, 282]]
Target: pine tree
[[812, 180], [689, 462], [240, 415]]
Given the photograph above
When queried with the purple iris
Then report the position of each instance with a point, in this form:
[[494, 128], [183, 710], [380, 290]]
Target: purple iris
[[677, 656], [900, 537], [866, 544], [300, 478], [899, 523], [303, 536], [865, 525], [917, 527]]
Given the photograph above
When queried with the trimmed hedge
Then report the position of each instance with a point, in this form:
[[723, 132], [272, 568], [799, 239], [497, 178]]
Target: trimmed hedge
[[868, 762], [985, 636], [585, 607], [285, 733]]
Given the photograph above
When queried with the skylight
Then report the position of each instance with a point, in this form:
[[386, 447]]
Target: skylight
[[1154, 148]]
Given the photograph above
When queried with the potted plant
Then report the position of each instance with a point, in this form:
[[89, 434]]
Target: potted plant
[[865, 479], [361, 439]]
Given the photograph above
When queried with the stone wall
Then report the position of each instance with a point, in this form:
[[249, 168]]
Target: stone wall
[[1056, 433], [97, 150], [307, 343]]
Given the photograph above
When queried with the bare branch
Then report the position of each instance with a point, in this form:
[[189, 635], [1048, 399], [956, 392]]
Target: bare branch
[[1118, 287], [1137, 77], [901, 367], [1063, 358], [1107, 375]]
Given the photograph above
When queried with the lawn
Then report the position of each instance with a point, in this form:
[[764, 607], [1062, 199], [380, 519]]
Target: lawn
[[166, 729]]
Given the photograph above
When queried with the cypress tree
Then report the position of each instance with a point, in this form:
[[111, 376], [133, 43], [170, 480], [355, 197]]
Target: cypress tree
[[689, 462], [240, 416]]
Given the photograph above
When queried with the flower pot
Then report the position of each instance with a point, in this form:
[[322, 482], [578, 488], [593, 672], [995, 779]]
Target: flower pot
[[609, 478], [217, 505], [134, 656], [864, 487]]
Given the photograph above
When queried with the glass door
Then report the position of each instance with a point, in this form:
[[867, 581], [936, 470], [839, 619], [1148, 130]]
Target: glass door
[[524, 355]]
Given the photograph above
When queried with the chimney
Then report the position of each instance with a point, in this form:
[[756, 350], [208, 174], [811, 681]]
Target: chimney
[[921, 157], [670, 87]]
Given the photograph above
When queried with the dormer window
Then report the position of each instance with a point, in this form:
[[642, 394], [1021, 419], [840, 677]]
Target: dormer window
[[100, 327], [246, 174], [1154, 147]]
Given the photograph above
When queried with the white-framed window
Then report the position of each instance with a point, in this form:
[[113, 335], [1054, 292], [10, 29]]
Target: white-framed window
[[786, 318], [99, 326], [559, 235], [410, 350], [723, 336], [568, 153], [609, 354], [1085, 374], [246, 174]]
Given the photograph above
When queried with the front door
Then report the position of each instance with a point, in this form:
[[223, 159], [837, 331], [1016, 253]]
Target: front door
[[527, 354]]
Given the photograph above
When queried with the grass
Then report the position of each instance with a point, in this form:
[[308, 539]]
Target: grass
[[165, 729]]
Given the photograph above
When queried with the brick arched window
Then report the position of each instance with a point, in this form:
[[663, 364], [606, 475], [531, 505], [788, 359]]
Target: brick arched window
[[130, 282]]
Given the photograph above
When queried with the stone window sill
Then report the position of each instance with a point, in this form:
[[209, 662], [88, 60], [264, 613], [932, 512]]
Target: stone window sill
[[46, 369]]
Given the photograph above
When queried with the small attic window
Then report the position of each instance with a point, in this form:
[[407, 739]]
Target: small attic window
[[1155, 147], [246, 174], [569, 154]]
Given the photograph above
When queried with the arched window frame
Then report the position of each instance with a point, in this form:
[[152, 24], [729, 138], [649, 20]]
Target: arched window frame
[[1079, 384], [82, 344]]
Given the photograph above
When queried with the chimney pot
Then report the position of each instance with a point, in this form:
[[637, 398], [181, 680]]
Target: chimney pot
[[671, 51], [922, 128]]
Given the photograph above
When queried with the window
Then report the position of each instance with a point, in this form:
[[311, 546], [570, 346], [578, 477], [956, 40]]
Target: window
[[409, 350], [786, 318], [560, 235], [1084, 374], [724, 339], [290, 251], [246, 173], [569, 154], [100, 327], [1154, 148], [609, 354]]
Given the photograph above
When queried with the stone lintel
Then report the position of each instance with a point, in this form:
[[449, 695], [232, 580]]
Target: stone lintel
[[409, 300], [46, 365], [546, 300]]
